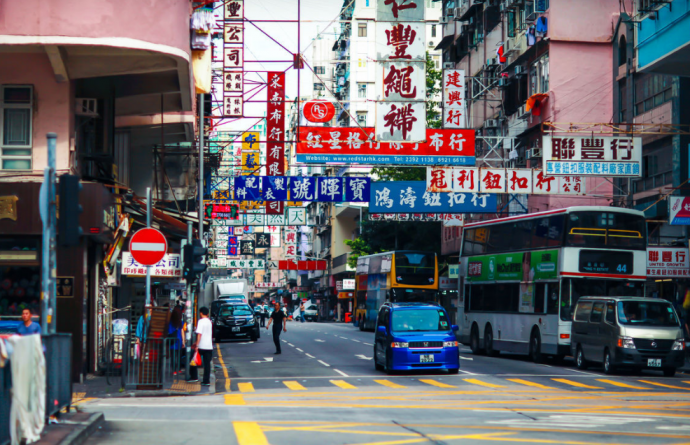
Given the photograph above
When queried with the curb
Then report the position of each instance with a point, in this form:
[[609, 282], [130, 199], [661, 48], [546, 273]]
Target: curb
[[84, 431]]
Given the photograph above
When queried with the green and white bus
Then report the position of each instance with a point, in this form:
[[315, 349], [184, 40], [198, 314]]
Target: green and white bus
[[521, 276]]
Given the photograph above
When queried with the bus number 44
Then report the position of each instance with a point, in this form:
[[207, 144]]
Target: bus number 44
[[621, 268]]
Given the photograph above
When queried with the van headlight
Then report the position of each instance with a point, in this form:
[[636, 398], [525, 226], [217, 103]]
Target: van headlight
[[450, 344], [626, 343], [251, 321], [399, 344], [678, 345]]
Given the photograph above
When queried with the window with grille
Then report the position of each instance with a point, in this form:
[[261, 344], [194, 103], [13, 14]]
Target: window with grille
[[651, 90], [362, 90], [16, 114], [362, 118], [362, 30], [320, 69]]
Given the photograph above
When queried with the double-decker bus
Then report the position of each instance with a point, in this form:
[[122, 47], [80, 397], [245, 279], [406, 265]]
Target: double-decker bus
[[522, 276], [398, 276]]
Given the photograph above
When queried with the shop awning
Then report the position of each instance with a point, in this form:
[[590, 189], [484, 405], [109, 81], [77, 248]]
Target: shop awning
[[445, 42]]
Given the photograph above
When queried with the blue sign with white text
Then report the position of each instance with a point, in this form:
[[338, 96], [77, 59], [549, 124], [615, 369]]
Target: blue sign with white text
[[412, 197]]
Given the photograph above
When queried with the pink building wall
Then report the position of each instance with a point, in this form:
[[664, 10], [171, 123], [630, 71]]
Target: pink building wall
[[53, 105], [161, 22]]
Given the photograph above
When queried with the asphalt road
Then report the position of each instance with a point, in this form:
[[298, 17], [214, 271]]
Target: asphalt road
[[323, 389]]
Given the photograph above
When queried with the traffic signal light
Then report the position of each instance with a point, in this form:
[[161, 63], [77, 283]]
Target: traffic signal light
[[192, 256], [69, 229]]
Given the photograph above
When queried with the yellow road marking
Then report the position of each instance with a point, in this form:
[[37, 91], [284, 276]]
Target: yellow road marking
[[389, 384], [528, 383], [249, 433], [620, 384], [342, 384], [436, 437], [234, 399], [293, 385], [225, 370], [578, 384], [480, 383], [665, 386], [436, 383], [245, 387]]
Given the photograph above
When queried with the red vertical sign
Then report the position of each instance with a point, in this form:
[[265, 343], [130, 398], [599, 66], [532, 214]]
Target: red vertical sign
[[275, 132]]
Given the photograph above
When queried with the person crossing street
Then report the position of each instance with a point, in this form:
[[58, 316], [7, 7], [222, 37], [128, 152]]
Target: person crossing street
[[278, 318]]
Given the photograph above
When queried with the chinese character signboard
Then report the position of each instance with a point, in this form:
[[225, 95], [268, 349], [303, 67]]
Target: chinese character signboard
[[501, 180], [446, 218], [454, 109], [412, 197], [233, 59], [246, 247], [275, 124], [356, 145], [671, 262], [401, 71], [302, 188], [679, 211], [170, 266], [246, 264], [592, 156]]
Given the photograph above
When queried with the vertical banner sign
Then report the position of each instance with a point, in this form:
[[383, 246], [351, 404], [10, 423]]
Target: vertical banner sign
[[454, 108], [250, 154], [233, 59], [275, 131], [401, 71]]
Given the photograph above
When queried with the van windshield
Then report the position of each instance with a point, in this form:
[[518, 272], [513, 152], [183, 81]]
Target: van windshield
[[643, 313], [419, 320], [235, 311]]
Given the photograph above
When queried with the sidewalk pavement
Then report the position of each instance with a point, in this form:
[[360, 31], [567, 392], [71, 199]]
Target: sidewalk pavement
[[73, 429]]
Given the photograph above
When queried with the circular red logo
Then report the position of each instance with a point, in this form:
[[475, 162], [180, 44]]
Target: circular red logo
[[319, 111], [148, 246]]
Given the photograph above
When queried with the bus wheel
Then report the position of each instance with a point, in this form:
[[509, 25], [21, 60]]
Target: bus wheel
[[361, 323], [535, 347], [489, 341], [474, 341]]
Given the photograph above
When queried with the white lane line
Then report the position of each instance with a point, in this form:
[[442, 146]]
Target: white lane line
[[319, 340], [363, 357], [309, 355], [368, 344], [467, 372], [356, 340], [341, 373], [344, 338], [299, 349], [284, 341], [290, 344], [465, 358], [324, 363]]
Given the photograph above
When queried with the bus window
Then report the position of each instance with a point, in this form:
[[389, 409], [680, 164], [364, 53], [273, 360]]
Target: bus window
[[548, 232], [467, 297], [415, 268], [552, 300], [567, 305], [539, 290], [606, 229]]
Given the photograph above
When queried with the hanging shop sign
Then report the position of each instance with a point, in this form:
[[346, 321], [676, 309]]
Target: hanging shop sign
[[263, 240], [247, 247], [302, 188], [221, 211], [318, 110], [454, 107], [412, 197], [233, 82], [502, 180], [234, 10], [592, 156], [348, 284], [679, 211], [671, 262], [357, 145], [297, 265], [418, 217], [169, 266], [267, 285], [246, 264], [292, 216]]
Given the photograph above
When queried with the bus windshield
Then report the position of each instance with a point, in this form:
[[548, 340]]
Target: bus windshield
[[410, 320], [416, 268], [643, 313], [573, 289], [398, 295], [606, 229]]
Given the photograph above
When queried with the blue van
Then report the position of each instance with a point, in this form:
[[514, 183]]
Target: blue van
[[413, 336]]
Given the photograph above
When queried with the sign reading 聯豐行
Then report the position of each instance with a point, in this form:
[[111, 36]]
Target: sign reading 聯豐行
[[412, 197], [592, 156]]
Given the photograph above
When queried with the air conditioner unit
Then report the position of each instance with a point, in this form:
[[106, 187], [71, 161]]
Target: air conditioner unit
[[458, 13], [519, 70], [503, 82], [450, 12], [491, 123], [448, 65], [86, 107], [539, 6], [492, 61], [431, 44]]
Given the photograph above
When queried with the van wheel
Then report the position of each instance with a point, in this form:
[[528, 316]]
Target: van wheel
[[669, 372], [609, 368], [535, 347], [387, 368], [489, 341], [376, 362], [474, 341], [580, 361]]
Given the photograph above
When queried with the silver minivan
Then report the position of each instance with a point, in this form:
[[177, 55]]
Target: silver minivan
[[630, 332]]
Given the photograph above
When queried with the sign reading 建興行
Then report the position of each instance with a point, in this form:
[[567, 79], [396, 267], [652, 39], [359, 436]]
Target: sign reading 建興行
[[592, 156], [412, 197]]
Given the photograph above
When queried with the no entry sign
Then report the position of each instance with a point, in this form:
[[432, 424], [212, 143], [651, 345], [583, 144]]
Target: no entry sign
[[148, 246]]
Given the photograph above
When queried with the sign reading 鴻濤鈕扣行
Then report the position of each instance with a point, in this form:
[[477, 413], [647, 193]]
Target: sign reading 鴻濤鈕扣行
[[412, 197]]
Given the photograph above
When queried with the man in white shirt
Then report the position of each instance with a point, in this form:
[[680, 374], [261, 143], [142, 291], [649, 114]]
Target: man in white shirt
[[204, 344]]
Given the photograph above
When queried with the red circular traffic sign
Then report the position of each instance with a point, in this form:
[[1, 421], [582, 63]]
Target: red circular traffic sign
[[148, 246], [319, 110]]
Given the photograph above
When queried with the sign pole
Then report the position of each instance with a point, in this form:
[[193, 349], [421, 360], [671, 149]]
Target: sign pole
[[188, 311], [148, 268], [48, 258]]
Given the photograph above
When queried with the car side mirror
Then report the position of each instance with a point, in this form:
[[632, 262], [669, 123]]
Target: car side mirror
[[382, 330], [455, 328]]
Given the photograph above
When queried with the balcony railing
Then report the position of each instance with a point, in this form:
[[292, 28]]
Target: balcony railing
[[653, 182]]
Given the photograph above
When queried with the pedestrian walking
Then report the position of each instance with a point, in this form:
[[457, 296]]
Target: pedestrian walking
[[279, 319], [204, 344], [262, 315], [175, 331], [301, 311], [28, 327]]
